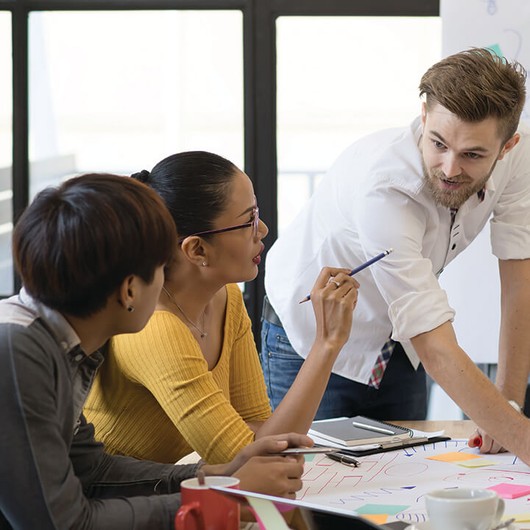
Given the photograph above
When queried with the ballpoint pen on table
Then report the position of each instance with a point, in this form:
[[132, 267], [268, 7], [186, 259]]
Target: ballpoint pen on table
[[344, 459], [358, 269], [371, 428]]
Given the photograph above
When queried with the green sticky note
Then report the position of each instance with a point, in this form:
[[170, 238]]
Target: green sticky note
[[495, 49], [388, 509]]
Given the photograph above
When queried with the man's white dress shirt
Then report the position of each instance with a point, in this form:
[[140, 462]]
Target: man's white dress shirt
[[374, 198]]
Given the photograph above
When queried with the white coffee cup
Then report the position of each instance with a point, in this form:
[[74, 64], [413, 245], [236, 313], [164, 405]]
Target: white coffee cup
[[463, 509]]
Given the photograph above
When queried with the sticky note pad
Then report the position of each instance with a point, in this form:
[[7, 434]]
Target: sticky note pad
[[522, 517], [480, 462], [377, 518], [496, 49], [380, 509], [453, 457], [511, 491]]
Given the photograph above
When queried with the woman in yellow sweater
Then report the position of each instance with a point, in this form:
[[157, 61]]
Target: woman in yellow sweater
[[191, 380]]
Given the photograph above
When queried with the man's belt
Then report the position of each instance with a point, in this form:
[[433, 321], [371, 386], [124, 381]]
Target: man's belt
[[269, 313]]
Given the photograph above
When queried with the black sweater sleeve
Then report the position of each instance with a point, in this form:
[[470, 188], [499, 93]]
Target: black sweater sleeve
[[54, 480]]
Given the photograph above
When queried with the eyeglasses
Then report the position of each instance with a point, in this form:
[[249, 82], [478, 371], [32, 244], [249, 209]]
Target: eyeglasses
[[254, 223]]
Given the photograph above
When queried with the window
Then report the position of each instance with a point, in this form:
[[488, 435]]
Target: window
[[118, 85], [6, 148], [338, 80], [151, 84]]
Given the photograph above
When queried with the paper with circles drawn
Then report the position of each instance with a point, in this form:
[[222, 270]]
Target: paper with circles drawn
[[393, 484], [504, 27]]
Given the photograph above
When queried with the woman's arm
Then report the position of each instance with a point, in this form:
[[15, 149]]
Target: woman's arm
[[260, 468], [333, 306]]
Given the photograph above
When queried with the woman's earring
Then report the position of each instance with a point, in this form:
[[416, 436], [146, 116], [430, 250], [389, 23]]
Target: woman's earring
[[204, 264], [130, 309]]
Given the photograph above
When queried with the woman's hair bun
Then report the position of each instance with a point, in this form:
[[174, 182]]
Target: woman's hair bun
[[142, 176]]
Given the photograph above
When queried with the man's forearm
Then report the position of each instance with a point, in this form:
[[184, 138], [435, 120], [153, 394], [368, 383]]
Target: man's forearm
[[514, 343], [456, 373]]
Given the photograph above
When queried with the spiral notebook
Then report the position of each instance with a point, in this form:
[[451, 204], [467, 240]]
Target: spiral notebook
[[358, 430]]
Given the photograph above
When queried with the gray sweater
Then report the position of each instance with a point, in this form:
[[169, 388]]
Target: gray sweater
[[53, 474]]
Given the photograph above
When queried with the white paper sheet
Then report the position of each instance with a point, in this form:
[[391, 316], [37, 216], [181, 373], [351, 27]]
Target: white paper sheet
[[393, 484]]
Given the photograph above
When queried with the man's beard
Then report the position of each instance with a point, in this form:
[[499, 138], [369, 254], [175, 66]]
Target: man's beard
[[453, 198]]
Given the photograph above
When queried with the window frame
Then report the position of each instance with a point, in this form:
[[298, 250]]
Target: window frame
[[259, 64]]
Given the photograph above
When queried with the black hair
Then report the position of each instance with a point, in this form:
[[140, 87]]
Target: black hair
[[76, 243], [195, 187]]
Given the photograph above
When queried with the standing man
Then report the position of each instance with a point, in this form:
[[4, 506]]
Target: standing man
[[426, 191]]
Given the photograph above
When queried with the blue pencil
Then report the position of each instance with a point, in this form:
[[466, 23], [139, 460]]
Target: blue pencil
[[358, 269]]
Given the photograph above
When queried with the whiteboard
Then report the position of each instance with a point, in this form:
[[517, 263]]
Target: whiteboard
[[501, 25], [472, 280]]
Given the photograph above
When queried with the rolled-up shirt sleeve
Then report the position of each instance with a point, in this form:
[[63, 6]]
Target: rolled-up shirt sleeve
[[510, 225], [405, 278]]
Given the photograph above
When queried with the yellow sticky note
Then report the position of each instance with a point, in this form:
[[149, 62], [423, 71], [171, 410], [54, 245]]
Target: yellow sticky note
[[522, 518], [453, 457], [377, 518], [480, 462]]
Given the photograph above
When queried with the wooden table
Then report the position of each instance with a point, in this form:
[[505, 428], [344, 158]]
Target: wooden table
[[458, 429]]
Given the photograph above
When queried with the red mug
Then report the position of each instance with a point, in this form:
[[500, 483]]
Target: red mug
[[206, 509]]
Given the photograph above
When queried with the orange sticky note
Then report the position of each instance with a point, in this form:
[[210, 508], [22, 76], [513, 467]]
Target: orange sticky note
[[377, 518], [453, 457]]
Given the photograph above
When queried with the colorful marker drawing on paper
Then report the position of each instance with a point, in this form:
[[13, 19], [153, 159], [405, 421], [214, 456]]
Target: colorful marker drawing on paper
[[391, 486]]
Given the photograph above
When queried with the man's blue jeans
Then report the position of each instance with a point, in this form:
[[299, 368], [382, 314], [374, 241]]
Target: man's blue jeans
[[401, 396]]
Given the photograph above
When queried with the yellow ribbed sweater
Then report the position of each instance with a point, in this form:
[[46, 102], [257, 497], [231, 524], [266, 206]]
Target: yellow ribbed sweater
[[154, 397]]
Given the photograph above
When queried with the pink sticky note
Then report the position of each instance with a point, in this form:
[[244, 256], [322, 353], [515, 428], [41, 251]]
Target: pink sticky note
[[511, 491]]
